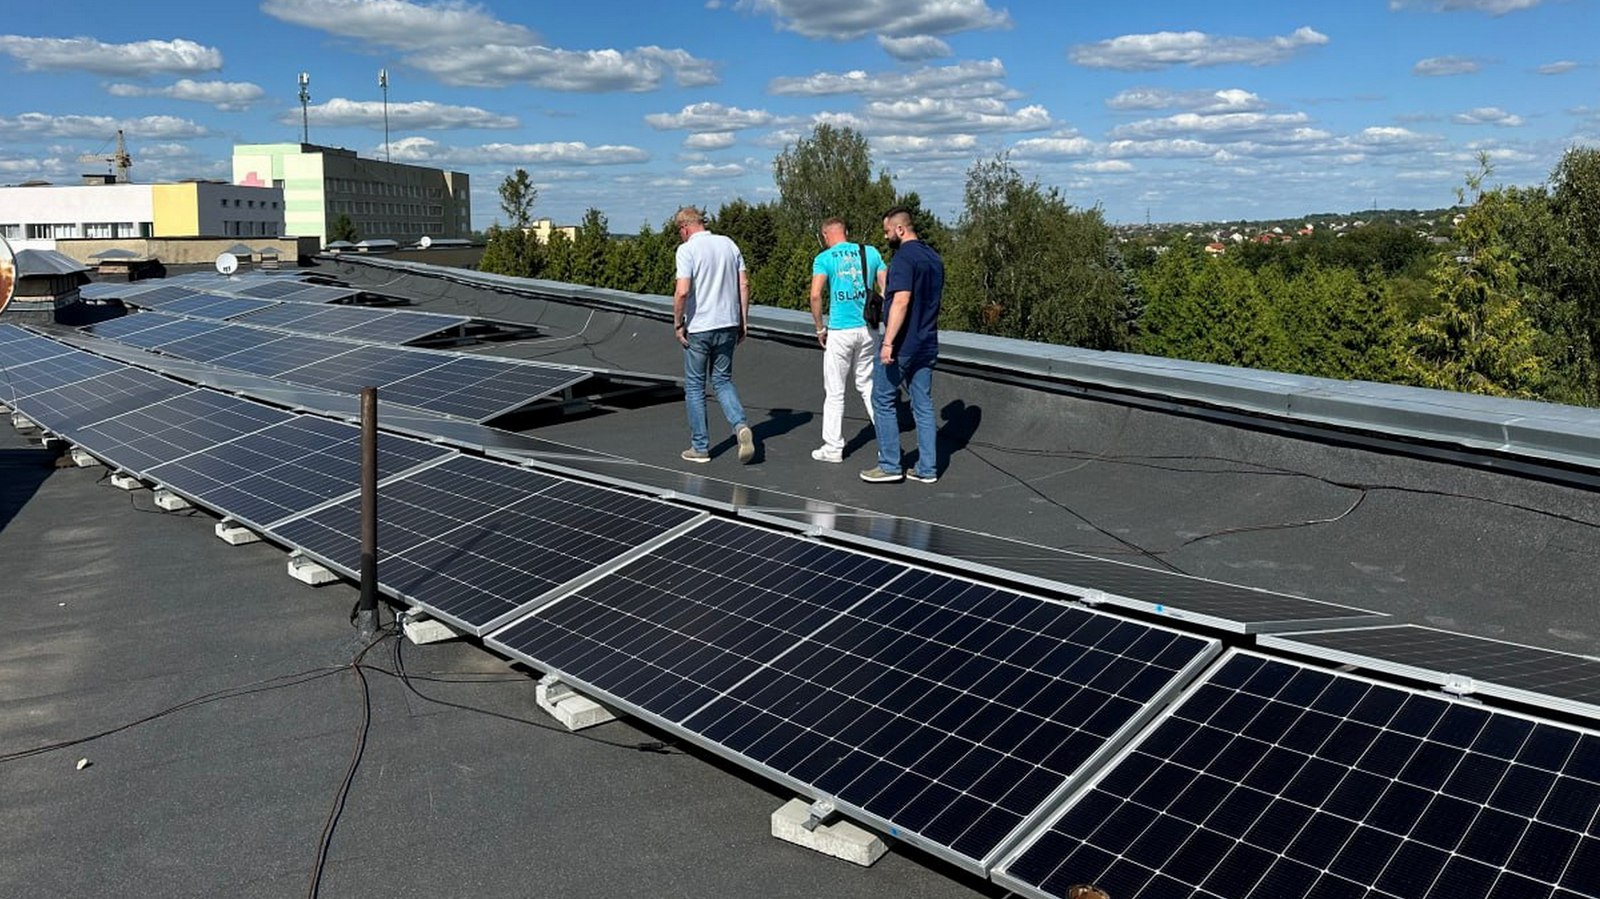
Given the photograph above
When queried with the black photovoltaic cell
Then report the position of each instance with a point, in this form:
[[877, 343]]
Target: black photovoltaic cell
[[1525, 673], [1272, 780], [67, 408], [289, 316], [286, 469], [173, 329], [948, 710], [19, 348], [170, 430], [479, 389], [474, 541]]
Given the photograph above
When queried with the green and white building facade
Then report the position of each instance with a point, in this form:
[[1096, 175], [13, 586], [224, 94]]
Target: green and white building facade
[[385, 200]]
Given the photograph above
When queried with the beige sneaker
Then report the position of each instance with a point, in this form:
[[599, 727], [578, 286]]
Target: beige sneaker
[[694, 455], [747, 444]]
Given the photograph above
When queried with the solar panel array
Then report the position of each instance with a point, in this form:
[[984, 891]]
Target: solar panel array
[[475, 388], [1272, 779], [949, 711], [1040, 743]]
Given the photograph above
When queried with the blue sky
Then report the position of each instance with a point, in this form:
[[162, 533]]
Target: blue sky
[[1177, 110]]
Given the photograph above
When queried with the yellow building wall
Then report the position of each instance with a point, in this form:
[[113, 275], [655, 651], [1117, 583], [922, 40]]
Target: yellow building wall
[[175, 210]]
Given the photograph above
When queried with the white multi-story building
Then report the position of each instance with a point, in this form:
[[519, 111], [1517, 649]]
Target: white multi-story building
[[384, 200], [36, 216]]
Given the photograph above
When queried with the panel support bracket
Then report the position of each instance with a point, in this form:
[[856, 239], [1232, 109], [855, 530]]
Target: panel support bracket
[[83, 459], [126, 482], [419, 628], [574, 710], [800, 823], [1458, 685]]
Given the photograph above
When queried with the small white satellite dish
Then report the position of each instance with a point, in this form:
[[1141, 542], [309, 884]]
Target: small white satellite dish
[[227, 263], [425, 242]]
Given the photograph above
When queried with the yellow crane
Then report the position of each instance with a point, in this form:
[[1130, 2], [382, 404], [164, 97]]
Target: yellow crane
[[120, 160]]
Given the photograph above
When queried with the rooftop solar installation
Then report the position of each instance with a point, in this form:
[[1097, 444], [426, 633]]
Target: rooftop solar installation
[[1271, 779], [320, 293], [1461, 663], [475, 542], [949, 711], [359, 322], [363, 365], [173, 429], [46, 373], [274, 289], [287, 352], [285, 469], [117, 328], [213, 344], [154, 293], [400, 326], [168, 330]]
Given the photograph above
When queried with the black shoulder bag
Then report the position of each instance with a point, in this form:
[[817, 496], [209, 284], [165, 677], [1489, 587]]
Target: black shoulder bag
[[873, 308]]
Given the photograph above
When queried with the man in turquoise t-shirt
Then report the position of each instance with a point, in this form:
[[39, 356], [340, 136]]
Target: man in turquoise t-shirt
[[848, 344]]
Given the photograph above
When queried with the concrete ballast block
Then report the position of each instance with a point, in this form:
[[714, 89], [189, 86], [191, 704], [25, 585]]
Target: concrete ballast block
[[235, 535], [126, 482], [421, 629], [841, 839], [172, 502], [308, 572], [574, 710], [83, 459]]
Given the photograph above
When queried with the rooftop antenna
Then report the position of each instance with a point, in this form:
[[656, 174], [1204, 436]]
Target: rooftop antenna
[[383, 82], [305, 97]]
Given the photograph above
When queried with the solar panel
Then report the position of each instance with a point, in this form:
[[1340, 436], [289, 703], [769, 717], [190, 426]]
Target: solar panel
[[285, 469], [68, 407], [50, 372], [157, 294], [1272, 779], [480, 389], [400, 326], [168, 331], [1463, 663], [273, 289], [122, 326], [946, 710], [1185, 597], [214, 306], [365, 366], [282, 355], [19, 347], [218, 342], [475, 541], [289, 316], [320, 293], [141, 439]]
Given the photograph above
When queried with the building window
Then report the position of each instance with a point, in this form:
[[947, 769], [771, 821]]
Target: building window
[[99, 229], [11, 232], [251, 204], [52, 231], [224, 202]]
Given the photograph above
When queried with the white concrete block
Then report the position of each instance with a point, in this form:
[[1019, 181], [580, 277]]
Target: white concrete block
[[83, 459], [172, 502], [235, 535], [420, 629], [22, 422], [574, 710], [126, 482], [840, 839], [306, 571]]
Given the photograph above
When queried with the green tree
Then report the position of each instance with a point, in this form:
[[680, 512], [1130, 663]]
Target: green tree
[[517, 195], [829, 173], [560, 258], [1024, 263], [343, 229], [589, 249], [1212, 310], [1481, 340]]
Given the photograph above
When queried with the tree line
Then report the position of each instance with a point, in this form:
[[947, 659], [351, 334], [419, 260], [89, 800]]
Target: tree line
[[1509, 305]]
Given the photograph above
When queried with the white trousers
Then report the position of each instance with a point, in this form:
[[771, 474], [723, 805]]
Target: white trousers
[[849, 353]]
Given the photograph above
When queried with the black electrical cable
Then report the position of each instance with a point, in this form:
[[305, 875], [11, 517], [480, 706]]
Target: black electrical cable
[[357, 750]]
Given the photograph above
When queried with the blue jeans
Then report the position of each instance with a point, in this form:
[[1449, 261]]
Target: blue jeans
[[710, 351], [917, 376]]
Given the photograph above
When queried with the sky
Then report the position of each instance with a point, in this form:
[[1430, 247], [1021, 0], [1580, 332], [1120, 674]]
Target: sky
[[1151, 110]]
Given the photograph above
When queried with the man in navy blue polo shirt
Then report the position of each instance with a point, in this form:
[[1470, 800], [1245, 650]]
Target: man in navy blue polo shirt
[[909, 351]]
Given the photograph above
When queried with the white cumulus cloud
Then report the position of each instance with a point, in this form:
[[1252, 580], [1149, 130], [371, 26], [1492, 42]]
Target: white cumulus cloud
[[424, 151], [85, 54], [1203, 101], [1492, 7], [228, 95], [340, 112], [710, 140], [1487, 115], [38, 125], [708, 116], [915, 48], [1164, 49], [1441, 66], [843, 20]]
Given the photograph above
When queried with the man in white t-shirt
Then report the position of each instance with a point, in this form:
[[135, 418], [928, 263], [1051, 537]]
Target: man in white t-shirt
[[843, 272], [710, 316]]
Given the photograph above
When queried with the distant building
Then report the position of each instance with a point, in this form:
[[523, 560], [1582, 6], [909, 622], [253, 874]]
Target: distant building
[[38, 215], [541, 229], [385, 200]]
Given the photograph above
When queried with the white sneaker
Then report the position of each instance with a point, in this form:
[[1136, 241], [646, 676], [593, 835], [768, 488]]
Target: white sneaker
[[824, 454]]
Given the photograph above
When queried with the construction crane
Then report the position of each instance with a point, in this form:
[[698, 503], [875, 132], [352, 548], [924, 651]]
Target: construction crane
[[120, 160]]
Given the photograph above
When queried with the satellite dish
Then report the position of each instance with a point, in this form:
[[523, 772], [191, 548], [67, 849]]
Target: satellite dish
[[227, 263], [425, 242]]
